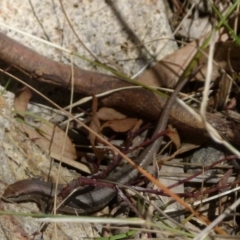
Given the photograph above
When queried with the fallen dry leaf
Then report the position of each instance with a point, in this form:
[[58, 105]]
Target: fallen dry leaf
[[47, 136], [185, 147], [21, 99], [106, 114], [122, 125], [95, 125], [167, 71], [51, 138], [173, 135]]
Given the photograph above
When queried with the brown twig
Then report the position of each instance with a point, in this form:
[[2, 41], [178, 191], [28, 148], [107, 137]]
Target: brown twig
[[138, 101]]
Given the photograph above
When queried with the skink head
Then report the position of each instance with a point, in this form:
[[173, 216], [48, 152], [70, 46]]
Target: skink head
[[14, 190], [29, 186], [32, 190]]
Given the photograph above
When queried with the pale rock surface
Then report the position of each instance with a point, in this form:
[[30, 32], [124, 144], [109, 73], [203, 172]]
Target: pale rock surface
[[112, 32]]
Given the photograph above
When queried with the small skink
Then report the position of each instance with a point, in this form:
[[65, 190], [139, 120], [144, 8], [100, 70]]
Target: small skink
[[92, 199]]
